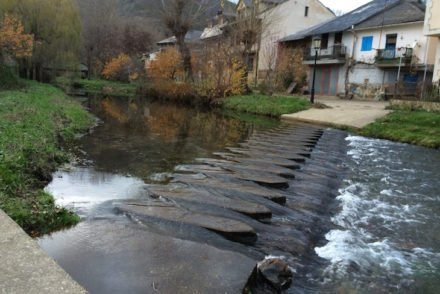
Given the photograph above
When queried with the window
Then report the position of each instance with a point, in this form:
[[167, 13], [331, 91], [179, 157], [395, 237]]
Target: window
[[391, 42], [324, 41], [306, 11], [338, 38], [367, 43]]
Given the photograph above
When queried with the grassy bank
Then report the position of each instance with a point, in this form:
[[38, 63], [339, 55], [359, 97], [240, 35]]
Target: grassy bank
[[273, 106], [33, 122], [99, 86], [415, 127]]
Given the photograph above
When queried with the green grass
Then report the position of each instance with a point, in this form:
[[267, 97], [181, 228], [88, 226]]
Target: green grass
[[273, 106], [96, 86], [33, 122], [415, 127]]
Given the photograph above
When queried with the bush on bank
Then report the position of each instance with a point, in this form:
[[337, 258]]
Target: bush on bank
[[34, 122]]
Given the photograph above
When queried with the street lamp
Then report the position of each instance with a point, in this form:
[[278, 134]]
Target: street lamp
[[316, 43]]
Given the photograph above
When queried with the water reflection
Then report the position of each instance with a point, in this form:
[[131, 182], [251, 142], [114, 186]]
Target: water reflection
[[140, 138], [81, 188]]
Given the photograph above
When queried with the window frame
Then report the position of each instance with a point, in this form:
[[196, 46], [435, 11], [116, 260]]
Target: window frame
[[366, 47]]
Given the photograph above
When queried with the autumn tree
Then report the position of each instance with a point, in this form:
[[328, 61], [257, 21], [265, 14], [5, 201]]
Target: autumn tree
[[56, 28], [14, 41], [118, 68], [166, 65]]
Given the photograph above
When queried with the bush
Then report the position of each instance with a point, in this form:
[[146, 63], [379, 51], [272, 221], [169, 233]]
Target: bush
[[118, 68]]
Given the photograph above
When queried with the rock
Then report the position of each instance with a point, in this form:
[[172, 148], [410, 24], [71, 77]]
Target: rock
[[275, 271]]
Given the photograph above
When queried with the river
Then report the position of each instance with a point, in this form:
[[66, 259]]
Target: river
[[379, 234]]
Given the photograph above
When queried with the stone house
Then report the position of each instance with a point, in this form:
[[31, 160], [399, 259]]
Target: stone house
[[432, 28], [279, 18], [374, 50]]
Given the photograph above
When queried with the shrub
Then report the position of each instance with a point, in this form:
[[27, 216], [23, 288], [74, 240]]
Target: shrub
[[118, 68]]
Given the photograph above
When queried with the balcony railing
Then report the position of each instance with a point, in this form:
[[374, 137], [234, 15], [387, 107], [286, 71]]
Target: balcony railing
[[393, 56], [334, 52]]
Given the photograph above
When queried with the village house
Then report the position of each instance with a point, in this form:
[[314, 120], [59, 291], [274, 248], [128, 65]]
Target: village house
[[279, 18], [432, 28], [374, 50]]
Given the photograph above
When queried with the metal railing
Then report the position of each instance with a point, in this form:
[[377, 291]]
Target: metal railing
[[393, 56], [332, 52]]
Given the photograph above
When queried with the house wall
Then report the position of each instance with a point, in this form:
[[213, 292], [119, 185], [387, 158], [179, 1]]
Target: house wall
[[436, 77], [407, 36], [432, 28], [432, 18], [286, 19]]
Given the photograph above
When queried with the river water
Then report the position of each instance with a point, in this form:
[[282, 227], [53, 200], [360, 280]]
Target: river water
[[387, 236], [384, 231]]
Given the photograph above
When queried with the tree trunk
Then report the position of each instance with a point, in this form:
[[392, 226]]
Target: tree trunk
[[185, 54]]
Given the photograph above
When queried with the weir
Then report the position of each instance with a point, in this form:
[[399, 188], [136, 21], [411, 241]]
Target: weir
[[205, 227]]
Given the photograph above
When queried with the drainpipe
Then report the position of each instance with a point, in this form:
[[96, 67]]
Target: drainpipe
[[350, 61], [422, 94]]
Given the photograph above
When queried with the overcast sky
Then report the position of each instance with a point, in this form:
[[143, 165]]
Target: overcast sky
[[344, 5], [340, 5]]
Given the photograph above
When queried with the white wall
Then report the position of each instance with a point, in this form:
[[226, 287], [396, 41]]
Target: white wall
[[286, 19], [436, 77], [407, 35]]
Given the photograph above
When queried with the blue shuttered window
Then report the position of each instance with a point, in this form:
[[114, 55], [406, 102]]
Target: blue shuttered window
[[367, 43]]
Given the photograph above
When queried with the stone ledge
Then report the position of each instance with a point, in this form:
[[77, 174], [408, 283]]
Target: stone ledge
[[25, 267]]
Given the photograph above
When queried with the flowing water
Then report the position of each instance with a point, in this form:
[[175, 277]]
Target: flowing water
[[387, 231], [382, 237]]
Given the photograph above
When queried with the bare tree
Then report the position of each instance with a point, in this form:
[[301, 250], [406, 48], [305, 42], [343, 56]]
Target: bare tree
[[179, 16], [106, 34]]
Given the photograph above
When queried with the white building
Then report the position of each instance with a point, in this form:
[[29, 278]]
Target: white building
[[432, 28], [367, 51], [280, 18]]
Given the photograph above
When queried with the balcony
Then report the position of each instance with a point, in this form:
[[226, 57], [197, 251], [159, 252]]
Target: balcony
[[333, 54], [393, 57]]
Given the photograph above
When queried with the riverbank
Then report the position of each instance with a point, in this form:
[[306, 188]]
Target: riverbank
[[34, 122], [273, 106], [416, 127], [97, 86]]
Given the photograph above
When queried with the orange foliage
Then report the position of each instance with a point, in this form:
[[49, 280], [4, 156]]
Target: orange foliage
[[118, 68], [167, 65], [13, 40]]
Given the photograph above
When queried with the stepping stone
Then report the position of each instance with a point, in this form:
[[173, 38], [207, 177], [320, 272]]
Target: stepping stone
[[285, 140], [232, 229], [276, 161], [199, 168], [224, 183], [257, 153], [297, 145], [266, 179], [259, 168], [286, 148], [127, 258], [202, 196], [277, 149]]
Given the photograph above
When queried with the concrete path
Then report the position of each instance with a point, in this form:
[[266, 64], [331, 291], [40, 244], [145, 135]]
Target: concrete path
[[349, 113], [25, 268]]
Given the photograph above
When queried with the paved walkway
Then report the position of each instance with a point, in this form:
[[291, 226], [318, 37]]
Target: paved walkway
[[25, 268], [349, 113]]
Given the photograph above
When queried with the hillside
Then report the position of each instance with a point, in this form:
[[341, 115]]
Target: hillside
[[150, 9]]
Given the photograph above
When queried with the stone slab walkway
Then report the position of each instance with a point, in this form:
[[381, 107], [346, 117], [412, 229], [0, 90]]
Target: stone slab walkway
[[25, 268], [349, 113]]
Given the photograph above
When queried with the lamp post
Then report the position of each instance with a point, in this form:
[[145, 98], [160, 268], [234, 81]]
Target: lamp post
[[316, 46]]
